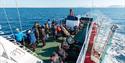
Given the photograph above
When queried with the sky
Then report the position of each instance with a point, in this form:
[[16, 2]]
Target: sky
[[61, 3]]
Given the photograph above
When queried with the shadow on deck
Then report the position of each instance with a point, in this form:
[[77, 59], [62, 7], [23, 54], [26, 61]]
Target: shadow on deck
[[44, 53], [47, 52]]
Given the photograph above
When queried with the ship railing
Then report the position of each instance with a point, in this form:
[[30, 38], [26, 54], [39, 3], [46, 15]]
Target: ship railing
[[83, 49], [100, 18], [9, 37]]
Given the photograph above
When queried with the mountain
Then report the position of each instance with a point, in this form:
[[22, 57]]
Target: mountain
[[116, 6]]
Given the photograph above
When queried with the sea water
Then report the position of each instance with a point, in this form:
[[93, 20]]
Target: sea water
[[29, 15]]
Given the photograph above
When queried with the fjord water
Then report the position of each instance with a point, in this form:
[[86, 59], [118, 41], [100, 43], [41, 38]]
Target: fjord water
[[30, 15]]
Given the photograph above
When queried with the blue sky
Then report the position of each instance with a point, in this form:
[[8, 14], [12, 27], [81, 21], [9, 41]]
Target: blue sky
[[61, 3]]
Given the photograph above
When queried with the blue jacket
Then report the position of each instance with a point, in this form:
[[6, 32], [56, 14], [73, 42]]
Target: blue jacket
[[32, 38], [19, 36]]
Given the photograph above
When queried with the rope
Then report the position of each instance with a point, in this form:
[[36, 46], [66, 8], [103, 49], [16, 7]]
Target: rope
[[4, 10], [8, 21], [18, 15]]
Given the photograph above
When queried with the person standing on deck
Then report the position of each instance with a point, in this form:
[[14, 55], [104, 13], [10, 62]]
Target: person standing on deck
[[19, 36], [49, 23], [53, 30], [32, 39], [27, 40], [42, 35], [36, 31], [58, 30], [47, 30]]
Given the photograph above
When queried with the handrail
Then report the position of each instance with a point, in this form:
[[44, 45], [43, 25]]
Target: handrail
[[81, 56]]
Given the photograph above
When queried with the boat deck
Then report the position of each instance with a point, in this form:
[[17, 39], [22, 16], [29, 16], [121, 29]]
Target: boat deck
[[45, 52]]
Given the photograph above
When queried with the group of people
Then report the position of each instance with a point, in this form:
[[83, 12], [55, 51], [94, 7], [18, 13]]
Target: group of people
[[66, 52], [38, 33], [70, 48]]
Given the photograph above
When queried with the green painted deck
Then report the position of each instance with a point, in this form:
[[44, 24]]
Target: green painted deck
[[45, 52]]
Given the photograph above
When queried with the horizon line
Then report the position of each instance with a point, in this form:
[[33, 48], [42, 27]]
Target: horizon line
[[62, 7]]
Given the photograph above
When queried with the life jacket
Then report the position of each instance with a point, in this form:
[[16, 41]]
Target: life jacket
[[58, 29]]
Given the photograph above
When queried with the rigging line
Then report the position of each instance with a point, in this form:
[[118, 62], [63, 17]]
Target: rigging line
[[8, 21], [4, 10], [18, 15]]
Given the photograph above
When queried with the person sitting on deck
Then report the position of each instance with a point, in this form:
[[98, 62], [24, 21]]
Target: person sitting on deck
[[42, 35], [19, 36], [55, 58], [75, 30], [32, 39], [62, 51]]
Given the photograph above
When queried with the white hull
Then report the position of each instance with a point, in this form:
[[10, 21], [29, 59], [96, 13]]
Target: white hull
[[14, 54]]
